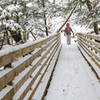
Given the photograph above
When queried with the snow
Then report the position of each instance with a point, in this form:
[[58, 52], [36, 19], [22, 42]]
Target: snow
[[30, 5], [95, 83], [22, 74], [17, 62], [30, 91], [22, 89], [71, 79], [13, 7], [96, 68], [1, 68], [42, 85], [56, 1], [8, 49], [38, 95], [4, 72], [4, 91]]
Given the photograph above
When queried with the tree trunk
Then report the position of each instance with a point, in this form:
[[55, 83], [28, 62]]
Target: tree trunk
[[54, 1], [45, 20], [67, 19], [33, 35], [15, 36], [89, 5], [95, 24], [96, 29], [24, 36], [2, 41], [7, 37]]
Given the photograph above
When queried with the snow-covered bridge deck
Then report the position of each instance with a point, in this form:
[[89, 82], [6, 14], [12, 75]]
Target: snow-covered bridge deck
[[73, 78], [26, 70]]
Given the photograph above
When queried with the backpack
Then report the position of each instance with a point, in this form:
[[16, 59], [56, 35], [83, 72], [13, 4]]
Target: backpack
[[67, 27]]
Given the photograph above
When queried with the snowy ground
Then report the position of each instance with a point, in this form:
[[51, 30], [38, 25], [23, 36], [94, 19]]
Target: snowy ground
[[73, 79]]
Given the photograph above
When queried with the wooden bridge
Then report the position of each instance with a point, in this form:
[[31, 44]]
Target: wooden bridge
[[27, 70]]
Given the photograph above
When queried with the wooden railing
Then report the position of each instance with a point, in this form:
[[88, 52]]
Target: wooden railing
[[26, 71], [91, 45]]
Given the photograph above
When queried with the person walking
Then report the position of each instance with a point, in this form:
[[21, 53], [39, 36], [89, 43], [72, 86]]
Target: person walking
[[68, 32]]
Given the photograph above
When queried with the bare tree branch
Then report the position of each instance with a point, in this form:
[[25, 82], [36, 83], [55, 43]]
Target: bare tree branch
[[67, 19], [33, 35]]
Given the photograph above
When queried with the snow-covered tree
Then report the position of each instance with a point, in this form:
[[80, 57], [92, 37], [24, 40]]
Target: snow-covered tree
[[20, 18], [10, 19], [43, 11], [87, 13]]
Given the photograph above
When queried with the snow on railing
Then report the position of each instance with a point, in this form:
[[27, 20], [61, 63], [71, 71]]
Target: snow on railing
[[25, 68], [90, 48]]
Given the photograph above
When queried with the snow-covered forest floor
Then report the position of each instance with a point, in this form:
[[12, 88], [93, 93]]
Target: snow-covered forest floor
[[73, 79]]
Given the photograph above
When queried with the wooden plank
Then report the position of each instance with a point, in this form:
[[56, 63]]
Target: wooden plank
[[92, 42], [94, 37], [33, 92], [33, 80], [32, 70], [91, 46], [92, 55], [50, 78], [10, 76], [91, 51], [19, 84], [6, 59], [93, 69]]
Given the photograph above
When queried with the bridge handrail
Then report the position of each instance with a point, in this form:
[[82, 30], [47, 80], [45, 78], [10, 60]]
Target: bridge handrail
[[6, 59], [27, 64], [91, 45]]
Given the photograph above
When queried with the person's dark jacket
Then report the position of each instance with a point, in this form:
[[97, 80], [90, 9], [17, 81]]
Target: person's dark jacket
[[68, 33]]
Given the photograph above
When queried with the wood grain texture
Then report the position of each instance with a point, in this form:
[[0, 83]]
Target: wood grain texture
[[91, 47], [51, 43]]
